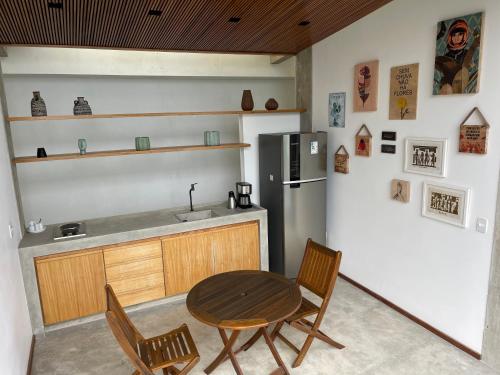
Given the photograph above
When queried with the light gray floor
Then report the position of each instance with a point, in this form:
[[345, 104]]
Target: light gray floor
[[378, 341]]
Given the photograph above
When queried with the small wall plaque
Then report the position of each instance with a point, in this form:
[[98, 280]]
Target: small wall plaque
[[400, 190], [388, 149], [389, 136], [474, 138], [363, 142], [341, 161]]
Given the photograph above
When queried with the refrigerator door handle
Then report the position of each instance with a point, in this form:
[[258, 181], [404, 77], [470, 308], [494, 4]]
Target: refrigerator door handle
[[304, 181]]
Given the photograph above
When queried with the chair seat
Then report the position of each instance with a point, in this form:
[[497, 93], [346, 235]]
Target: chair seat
[[306, 308], [168, 349]]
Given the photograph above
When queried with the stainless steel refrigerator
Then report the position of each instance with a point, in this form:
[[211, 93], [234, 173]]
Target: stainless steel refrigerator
[[292, 181]]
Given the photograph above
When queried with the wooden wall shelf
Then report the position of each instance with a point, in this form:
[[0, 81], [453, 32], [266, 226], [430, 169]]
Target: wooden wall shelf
[[151, 114], [101, 154]]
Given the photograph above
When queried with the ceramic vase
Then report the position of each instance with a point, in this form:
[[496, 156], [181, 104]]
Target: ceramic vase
[[81, 107], [271, 104], [38, 107], [247, 100], [82, 145], [41, 153]]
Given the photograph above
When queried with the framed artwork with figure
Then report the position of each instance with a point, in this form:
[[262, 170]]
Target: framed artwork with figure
[[446, 203], [426, 156], [458, 55]]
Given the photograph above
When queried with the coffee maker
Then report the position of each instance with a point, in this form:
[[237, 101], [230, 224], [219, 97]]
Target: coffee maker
[[244, 189]]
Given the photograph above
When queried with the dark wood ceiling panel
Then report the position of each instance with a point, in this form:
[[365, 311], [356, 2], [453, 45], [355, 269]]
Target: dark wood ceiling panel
[[265, 26]]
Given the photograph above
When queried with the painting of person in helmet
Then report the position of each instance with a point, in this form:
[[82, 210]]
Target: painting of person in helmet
[[458, 55]]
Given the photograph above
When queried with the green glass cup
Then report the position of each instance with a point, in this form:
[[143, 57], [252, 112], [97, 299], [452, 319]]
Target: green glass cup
[[212, 138], [142, 144]]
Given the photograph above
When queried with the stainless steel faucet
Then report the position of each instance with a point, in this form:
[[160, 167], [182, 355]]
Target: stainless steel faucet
[[190, 196]]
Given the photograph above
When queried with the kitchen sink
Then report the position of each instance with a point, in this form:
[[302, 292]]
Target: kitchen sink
[[195, 215]]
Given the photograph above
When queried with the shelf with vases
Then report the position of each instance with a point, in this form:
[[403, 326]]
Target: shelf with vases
[[101, 154], [150, 114]]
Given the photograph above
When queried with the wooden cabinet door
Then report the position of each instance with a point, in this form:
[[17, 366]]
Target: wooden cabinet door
[[71, 286], [187, 259], [236, 247], [135, 271]]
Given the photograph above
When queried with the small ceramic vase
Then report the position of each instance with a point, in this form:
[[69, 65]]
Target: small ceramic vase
[[41, 153], [271, 104], [82, 145], [247, 100], [38, 107], [81, 107]]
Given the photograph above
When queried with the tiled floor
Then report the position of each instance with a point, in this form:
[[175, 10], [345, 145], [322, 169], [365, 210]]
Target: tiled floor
[[378, 341]]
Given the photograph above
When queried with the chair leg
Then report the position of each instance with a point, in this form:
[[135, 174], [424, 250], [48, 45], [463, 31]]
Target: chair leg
[[303, 352], [320, 335]]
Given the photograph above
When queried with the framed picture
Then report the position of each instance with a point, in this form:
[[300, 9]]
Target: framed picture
[[449, 204], [458, 55], [474, 138], [363, 143], [400, 190], [365, 86], [404, 92], [336, 110], [426, 156], [341, 160]]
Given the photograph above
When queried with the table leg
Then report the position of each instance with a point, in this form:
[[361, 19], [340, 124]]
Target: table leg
[[226, 351], [250, 342], [276, 355]]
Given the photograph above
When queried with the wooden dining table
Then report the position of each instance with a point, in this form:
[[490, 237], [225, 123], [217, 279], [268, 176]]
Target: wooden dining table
[[243, 300]]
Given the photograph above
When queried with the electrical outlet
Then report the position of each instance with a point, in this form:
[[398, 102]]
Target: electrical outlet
[[11, 231], [482, 225]]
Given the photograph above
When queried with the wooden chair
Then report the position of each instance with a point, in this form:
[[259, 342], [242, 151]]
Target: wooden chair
[[150, 355], [318, 273]]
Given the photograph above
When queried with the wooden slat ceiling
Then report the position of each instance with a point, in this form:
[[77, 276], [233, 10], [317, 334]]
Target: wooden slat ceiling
[[265, 26]]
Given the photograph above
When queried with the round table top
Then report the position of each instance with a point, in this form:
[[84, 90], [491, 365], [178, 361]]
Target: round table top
[[243, 299]]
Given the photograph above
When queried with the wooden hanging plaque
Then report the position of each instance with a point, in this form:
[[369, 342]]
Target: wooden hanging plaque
[[341, 160], [363, 142], [474, 138]]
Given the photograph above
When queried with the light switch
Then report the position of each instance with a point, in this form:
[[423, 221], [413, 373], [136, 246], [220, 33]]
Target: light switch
[[271, 178], [482, 225], [11, 231]]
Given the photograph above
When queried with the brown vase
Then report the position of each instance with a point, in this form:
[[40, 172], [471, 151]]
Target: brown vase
[[271, 104], [247, 100]]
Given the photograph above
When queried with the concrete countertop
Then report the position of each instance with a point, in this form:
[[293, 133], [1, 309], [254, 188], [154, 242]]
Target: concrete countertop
[[125, 228]]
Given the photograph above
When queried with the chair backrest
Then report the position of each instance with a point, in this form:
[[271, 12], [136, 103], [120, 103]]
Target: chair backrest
[[319, 269], [125, 332]]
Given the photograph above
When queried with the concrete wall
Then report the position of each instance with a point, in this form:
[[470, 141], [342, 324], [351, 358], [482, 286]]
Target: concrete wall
[[303, 86], [436, 271], [75, 61], [80, 189], [15, 326]]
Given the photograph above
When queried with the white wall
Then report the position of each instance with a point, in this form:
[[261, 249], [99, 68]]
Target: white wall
[[15, 326], [76, 61], [436, 271], [60, 191]]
